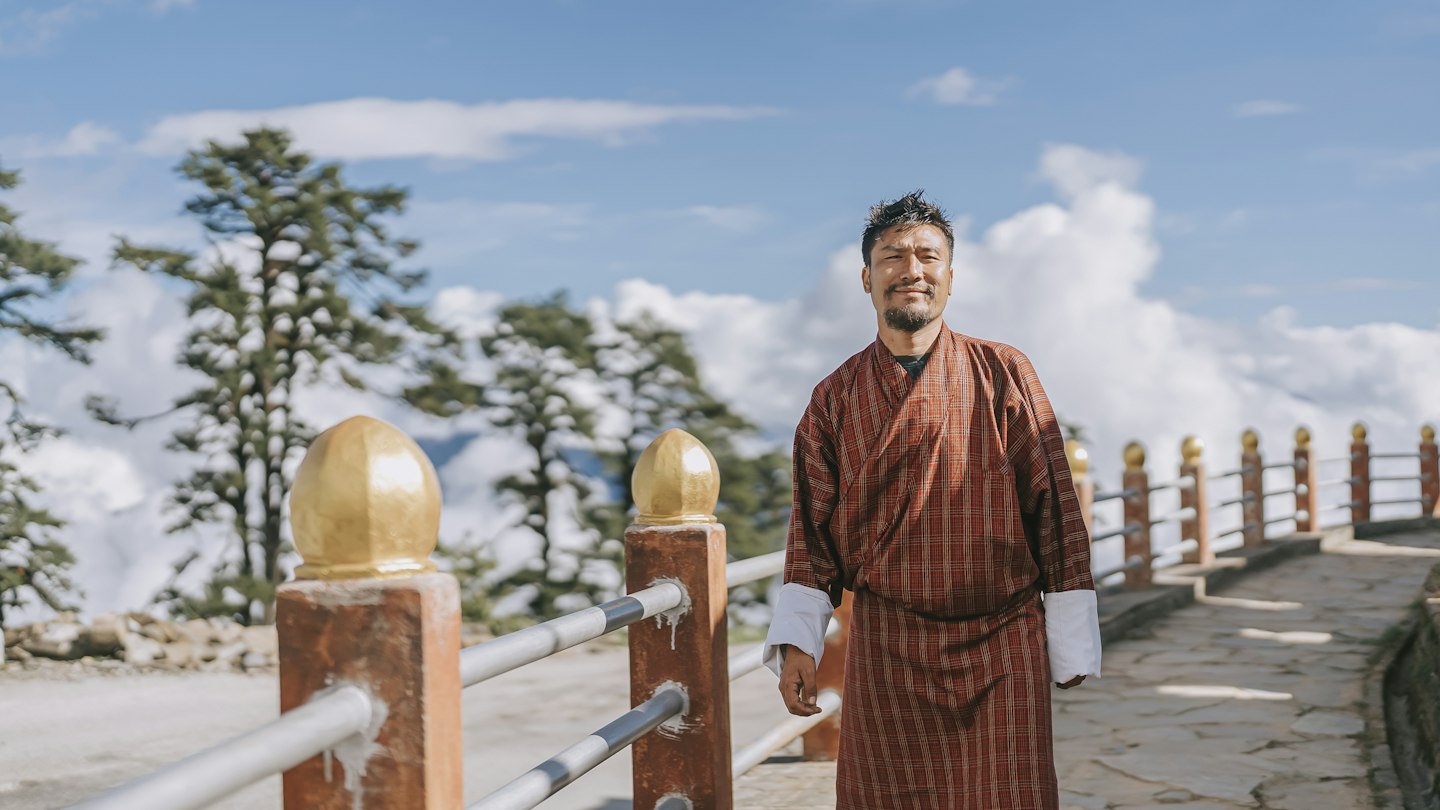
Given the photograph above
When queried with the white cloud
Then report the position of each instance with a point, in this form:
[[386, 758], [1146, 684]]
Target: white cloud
[[162, 6], [28, 32], [1062, 281], [85, 138], [372, 128], [1384, 164], [958, 86], [1264, 107], [738, 218]]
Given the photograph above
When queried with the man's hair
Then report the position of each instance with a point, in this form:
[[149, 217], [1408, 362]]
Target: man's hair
[[909, 211]]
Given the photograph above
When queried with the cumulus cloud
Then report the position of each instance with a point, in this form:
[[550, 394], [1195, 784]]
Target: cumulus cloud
[[1263, 108], [958, 86], [371, 128], [1063, 281]]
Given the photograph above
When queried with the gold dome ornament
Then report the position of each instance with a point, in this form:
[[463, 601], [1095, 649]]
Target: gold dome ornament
[[676, 480], [1302, 436], [1191, 449], [1358, 433], [1250, 440], [1078, 457], [1427, 434], [1134, 457], [365, 503]]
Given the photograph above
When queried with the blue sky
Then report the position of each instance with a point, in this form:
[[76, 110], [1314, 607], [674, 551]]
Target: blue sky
[[1323, 197]]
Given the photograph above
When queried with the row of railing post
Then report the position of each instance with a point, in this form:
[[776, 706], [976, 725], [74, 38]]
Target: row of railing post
[[1194, 517]]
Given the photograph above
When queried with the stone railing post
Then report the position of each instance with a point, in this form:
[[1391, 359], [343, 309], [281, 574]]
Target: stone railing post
[[1307, 493], [1137, 514], [823, 741], [1192, 466], [1084, 487], [1252, 488], [368, 610], [1429, 473], [1359, 475], [675, 538]]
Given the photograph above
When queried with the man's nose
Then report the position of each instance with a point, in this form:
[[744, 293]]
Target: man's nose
[[912, 269]]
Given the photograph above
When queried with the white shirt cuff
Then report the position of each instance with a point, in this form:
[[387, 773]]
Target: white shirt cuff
[[1072, 630], [801, 616]]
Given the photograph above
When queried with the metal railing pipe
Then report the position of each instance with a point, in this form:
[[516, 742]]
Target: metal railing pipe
[[1394, 455], [1394, 478], [751, 569], [1275, 493], [547, 778], [498, 656], [1281, 519], [1279, 465], [1188, 513], [1337, 482], [211, 775], [1240, 501], [1129, 565], [1110, 496], [1123, 531], [1395, 501], [776, 738]]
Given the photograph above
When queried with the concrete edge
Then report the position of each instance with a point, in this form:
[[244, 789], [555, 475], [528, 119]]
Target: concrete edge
[[1384, 776], [1381, 528]]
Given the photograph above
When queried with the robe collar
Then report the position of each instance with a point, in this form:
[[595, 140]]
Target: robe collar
[[897, 382]]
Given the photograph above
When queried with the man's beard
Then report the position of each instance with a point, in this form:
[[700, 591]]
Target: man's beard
[[911, 318]]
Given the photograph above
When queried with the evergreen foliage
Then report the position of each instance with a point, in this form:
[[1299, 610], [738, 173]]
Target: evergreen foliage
[[34, 564], [299, 286]]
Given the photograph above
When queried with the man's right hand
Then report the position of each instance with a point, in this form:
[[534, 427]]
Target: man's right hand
[[797, 682]]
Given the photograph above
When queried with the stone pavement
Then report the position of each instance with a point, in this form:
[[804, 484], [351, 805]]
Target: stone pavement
[[1252, 697]]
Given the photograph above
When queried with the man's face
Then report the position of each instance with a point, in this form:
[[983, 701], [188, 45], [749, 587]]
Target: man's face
[[909, 276]]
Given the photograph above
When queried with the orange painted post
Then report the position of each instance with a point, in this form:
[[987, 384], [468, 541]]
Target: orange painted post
[[367, 610], [823, 741], [1252, 488], [676, 538], [1359, 475], [1137, 517], [1429, 473], [1080, 474], [1307, 493], [1192, 466]]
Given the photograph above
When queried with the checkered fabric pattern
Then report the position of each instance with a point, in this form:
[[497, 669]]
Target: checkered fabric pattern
[[945, 502]]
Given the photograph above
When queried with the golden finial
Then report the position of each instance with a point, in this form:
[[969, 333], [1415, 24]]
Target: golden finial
[[1078, 458], [1250, 440], [1191, 449], [1359, 433], [1427, 434], [676, 481], [1302, 437], [365, 503], [1134, 457]]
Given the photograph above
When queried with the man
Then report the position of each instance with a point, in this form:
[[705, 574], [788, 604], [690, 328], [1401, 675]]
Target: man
[[931, 480]]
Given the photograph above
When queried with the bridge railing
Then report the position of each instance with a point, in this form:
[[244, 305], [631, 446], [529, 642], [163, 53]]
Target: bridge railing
[[1255, 498], [371, 668]]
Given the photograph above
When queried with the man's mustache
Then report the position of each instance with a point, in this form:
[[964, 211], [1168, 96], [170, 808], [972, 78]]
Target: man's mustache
[[930, 291]]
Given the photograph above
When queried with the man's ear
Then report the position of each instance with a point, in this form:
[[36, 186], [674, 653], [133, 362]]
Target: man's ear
[[865, 278]]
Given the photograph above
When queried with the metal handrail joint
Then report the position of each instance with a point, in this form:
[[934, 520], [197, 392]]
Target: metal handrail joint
[[752, 569]]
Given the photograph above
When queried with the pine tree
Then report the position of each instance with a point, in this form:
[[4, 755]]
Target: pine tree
[[298, 288], [652, 375], [539, 353], [33, 561]]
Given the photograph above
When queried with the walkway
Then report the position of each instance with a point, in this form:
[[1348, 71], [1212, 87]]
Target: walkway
[[1251, 698]]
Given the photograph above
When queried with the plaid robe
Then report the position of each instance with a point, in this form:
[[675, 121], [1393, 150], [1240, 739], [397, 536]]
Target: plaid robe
[[945, 503]]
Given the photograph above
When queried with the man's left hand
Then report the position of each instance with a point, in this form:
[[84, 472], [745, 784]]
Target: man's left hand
[[1073, 682]]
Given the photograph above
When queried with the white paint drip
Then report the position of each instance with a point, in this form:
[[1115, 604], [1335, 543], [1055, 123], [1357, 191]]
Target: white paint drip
[[357, 749], [675, 614], [677, 725]]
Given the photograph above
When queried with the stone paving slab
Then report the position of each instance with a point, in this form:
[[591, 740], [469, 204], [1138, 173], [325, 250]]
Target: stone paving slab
[[1251, 698]]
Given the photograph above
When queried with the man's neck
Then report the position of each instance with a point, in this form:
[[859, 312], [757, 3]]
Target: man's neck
[[909, 344]]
